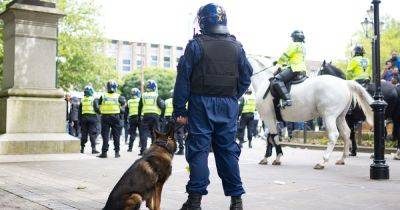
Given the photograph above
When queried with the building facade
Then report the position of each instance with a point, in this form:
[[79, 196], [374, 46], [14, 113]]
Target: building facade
[[130, 56]]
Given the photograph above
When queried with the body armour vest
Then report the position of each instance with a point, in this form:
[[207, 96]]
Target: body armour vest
[[217, 73]]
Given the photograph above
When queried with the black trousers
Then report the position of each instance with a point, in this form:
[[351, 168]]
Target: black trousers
[[147, 126], [179, 132], [88, 128], [246, 121], [133, 127], [110, 123]]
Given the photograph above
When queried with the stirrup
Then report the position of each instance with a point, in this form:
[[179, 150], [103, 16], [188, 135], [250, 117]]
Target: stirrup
[[284, 103]]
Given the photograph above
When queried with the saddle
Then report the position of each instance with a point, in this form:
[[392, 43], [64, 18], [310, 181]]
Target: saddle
[[299, 78]]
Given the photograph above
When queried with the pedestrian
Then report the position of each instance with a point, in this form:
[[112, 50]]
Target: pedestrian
[[74, 116], [110, 109], [294, 64], [134, 117], [388, 73], [395, 59], [152, 107], [212, 75], [124, 118], [179, 129], [247, 109], [88, 110]]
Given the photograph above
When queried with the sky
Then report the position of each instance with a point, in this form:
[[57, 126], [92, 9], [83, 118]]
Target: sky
[[262, 26]]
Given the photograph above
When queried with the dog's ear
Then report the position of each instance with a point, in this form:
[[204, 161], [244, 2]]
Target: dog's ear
[[170, 133]]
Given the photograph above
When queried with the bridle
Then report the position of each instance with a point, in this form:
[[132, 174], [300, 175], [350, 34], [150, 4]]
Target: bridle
[[264, 69]]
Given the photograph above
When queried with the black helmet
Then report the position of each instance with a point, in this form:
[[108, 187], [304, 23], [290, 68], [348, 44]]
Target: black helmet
[[298, 36], [212, 19], [359, 50], [112, 86], [88, 91]]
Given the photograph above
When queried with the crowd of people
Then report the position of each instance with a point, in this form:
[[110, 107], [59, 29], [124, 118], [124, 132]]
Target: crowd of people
[[391, 71]]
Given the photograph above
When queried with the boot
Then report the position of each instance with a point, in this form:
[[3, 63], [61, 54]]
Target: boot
[[236, 203], [397, 155], [94, 151], [180, 151], [102, 155], [82, 149], [117, 155], [250, 146], [129, 149], [279, 86], [193, 202]]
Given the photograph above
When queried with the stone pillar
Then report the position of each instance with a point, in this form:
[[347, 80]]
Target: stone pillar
[[32, 109]]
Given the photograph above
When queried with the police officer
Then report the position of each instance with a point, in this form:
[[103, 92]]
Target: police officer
[[74, 116], [134, 117], [124, 117], [110, 108], [88, 118], [247, 109], [212, 74], [293, 64], [179, 129], [152, 107], [358, 70]]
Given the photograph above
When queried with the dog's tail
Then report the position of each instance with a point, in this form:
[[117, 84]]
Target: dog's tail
[[134, 201]]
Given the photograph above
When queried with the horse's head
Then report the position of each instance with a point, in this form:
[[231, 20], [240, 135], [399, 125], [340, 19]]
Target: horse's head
[[329, 69]]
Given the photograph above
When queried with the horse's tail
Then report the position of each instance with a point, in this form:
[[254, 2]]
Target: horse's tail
[[363, 99]]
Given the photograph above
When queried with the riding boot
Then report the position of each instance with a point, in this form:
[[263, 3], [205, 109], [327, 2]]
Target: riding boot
[[236, 203], [283, 93], [193, 202], [82, 149]]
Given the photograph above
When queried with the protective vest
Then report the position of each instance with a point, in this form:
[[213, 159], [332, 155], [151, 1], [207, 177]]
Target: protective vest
[[87, 105], [133, 105], [169, 107], [217, 73], [249, 104], [294, 57], [358, 68], [110, 104], [149, 100]]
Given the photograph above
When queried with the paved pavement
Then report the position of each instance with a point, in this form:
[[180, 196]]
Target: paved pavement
[[78, 181]]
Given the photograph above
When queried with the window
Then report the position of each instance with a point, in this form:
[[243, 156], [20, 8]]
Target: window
[[126, 62], [154, 60], [139, 62], [126, 65], [167, 62], [167, 51], [154, 49], [140, 49], [126, 68], [114, 41], [126, 43], [179, 52]]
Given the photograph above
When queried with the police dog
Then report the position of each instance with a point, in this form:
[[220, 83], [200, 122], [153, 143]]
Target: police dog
[[144, 180]]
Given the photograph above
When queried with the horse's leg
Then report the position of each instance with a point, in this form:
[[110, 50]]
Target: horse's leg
[[344, 131], [333, 133], [351, 124], [268, 152], [279, 153]]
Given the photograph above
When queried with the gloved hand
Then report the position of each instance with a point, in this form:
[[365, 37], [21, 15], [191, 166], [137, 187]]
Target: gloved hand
[[274, 63]]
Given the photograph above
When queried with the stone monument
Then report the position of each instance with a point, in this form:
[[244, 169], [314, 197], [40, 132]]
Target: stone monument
[[32, 109]]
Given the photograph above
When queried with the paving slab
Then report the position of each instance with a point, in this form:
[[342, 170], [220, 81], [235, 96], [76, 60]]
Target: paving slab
[[84, 182]]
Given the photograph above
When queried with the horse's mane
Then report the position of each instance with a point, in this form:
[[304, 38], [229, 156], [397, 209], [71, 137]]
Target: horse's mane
[[330, 69], [262, 63]]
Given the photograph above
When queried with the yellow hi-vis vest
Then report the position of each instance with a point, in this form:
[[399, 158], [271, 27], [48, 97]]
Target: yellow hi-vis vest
[[169, 107], [133, 105], [87, 105], [358, 68], [110, 104], [294, 57], [249, 104], [149, 100]]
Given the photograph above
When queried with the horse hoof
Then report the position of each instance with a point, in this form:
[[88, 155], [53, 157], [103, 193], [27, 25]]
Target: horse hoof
[[276, 163], [397, 157], [340, 162], [319, 167], [263, 162], [372, 156]]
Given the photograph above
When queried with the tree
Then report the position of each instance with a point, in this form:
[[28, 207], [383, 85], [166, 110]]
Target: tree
[[2, 8], [165, 80], [80, 42]]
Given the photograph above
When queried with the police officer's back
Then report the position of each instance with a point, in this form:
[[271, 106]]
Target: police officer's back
[[212, 74], [88, 110], [134, 116]]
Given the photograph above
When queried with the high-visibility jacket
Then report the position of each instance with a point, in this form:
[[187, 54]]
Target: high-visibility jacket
[[110, 104], [169, 107], [150, 106], [249, 103], [294, 57], [358, 68], [87, 105], [133, 105]]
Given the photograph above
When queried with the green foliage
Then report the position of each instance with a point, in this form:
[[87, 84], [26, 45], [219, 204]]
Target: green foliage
[[390, 40], [80, 43], [2, 8], [165, 79]]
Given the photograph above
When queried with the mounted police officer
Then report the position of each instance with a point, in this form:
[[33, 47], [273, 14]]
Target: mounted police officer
[[152, 107], [134, 117], [293, 64], [212, 75], [358, 70], [110, 109], [179, 129], [358, 67], [247, 110], [88, 110]]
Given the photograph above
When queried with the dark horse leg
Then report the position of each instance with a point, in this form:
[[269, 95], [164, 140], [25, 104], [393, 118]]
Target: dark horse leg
[[351, 124]]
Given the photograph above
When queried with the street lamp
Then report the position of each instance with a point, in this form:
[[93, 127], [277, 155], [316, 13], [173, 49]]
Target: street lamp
[[379, 169]]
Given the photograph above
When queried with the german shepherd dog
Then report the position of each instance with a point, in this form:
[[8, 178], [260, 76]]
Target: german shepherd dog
[[144, 180]]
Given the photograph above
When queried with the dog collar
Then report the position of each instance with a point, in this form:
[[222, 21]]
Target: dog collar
[[163, 144]]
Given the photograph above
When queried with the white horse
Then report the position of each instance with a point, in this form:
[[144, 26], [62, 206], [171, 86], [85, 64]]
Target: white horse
[[325, 96]]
